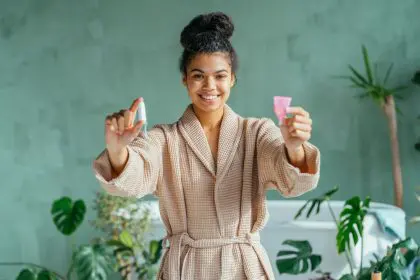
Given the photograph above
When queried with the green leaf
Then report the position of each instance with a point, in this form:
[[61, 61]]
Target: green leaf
[[316, 202], [388, 72], [416, 78], [93, 262], [367, 65], [67, 216], [46, 275], [26, 274], [126, 239], [358, 76], [351, 222], [417, 146], [155, 249], [300, 260]]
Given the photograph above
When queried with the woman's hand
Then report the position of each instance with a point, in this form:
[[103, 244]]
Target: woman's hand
[[296, 130], [120, 129]]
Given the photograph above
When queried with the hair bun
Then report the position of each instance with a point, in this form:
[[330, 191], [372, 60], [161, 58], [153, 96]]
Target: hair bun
[[216, 22]]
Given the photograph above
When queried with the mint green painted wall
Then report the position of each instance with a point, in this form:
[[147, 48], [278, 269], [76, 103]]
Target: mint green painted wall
[[65, 64]]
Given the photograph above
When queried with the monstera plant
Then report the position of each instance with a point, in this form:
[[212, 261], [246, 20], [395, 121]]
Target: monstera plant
[[377, 90], [349, 230], [93, 261]]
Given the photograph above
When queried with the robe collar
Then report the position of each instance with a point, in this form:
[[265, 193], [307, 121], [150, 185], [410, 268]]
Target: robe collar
[[229, 139]]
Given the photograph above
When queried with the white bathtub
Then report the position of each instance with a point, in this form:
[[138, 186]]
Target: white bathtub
[[320, 231]]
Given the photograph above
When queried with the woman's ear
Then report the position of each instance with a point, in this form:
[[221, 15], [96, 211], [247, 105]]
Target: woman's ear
[[184, 80], [233, 80]]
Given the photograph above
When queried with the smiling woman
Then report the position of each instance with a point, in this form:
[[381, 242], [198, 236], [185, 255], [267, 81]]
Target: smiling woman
[[210, 169]]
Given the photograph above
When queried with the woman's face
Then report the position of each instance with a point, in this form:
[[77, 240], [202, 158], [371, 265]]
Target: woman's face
[[208, 80]]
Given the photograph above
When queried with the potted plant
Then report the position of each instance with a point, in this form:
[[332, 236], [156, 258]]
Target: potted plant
[[93, 261], [349, 229], [385, 96]]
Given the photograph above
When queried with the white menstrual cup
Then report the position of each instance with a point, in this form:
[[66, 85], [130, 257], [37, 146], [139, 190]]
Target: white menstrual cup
[[281, 103]]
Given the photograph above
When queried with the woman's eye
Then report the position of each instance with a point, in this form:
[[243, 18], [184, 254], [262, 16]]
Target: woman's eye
[[197, 76], [219, 77]]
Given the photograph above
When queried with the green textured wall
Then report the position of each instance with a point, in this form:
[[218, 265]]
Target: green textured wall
[[65, 64]]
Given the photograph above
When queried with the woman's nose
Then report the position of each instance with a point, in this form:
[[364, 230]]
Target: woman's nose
[[209, 83]]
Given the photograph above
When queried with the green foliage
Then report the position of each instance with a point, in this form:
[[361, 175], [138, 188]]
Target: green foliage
[[297, 262], [316, 203], [93, 262], [35, 273], [147, 267], [351, 222], [369, 84], [416, 78], [68, 216]]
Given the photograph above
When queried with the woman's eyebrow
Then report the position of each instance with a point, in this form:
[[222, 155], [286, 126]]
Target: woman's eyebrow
[[201, 71]]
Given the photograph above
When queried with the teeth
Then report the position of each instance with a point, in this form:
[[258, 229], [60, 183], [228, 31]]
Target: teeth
[[209, 97]]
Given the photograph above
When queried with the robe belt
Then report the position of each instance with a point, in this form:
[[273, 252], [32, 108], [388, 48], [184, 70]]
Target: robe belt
[[176, 241]]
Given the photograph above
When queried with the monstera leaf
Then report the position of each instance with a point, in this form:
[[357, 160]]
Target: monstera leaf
[[68, 216], [316, 203], [351, 222], [298, 261], [93, 262], [27, 274]]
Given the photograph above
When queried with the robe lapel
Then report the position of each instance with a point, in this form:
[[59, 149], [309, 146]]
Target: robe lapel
[[193, 134], [229, 139]]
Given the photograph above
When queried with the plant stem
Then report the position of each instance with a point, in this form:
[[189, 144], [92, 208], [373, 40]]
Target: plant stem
[[396, 165], [361, 253], [346, 253], [70, 269], [32, 264]]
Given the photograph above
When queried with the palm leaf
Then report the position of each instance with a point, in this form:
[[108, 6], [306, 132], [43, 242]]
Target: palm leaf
[[367, 65], [351, 222], [67, 216], [388, 72], [93, 262], [358, 76], [316, 202], [298, 261]]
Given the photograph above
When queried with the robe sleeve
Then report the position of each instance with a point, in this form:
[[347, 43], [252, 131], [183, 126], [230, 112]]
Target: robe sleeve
[[274, 169], [141, 172]]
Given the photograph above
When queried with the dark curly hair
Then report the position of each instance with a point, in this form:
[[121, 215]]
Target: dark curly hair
[[207, 33]]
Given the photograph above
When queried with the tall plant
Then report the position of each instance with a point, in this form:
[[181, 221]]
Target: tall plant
[[378, 90]]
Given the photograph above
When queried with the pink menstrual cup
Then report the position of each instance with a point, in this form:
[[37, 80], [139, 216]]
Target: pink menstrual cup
[[280, 105]]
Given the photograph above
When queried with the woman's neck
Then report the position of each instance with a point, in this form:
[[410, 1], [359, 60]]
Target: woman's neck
[[209, 120]]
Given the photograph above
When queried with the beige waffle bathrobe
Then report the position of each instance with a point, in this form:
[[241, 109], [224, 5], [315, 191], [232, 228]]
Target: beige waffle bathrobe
[[212, 211]]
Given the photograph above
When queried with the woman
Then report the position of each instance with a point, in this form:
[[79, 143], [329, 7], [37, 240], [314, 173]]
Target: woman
[[210, 169]]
